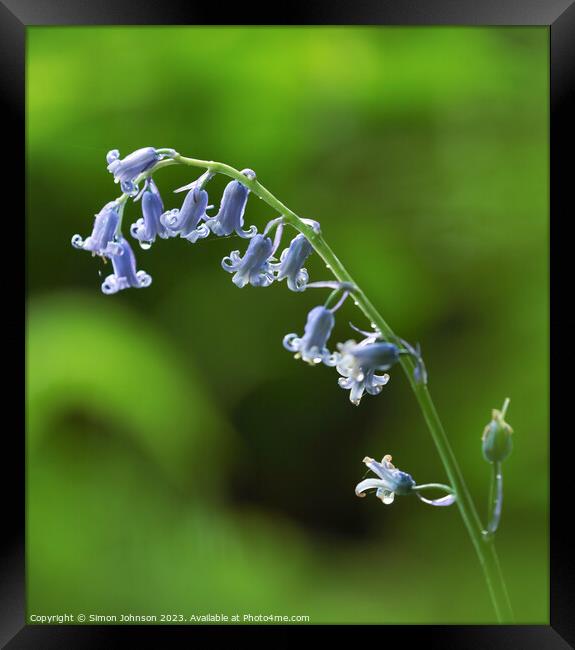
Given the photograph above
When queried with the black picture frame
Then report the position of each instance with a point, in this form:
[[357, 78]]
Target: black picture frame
[[17, 15]]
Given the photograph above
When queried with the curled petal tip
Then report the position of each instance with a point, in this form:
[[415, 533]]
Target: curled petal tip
[[249, 233], [367, 484]]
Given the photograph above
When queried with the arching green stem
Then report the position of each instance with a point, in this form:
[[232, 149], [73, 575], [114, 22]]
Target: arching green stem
[[484, 546]]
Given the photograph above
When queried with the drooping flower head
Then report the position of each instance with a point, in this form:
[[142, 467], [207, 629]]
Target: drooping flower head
[[125, 274], [185, 222], [311, 347], [392, 481], [126, 170], [149, 226], [357, 363], [102, 241], [230, 217], [254, 266], [291, 263]]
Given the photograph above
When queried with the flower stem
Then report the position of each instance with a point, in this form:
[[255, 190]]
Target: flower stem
[[484, 546], [434, 486], [496, 498]]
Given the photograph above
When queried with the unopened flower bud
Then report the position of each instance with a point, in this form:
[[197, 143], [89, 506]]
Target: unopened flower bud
[[497, 441]]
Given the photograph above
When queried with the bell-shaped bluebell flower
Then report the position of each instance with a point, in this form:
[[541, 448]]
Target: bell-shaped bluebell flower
[[254, 266], [291, 263], [185, 222], [230, 216], [125, 274], [127, 169], [102, 241], [149, 226], [311, 347], [357, 363], [392, 481]]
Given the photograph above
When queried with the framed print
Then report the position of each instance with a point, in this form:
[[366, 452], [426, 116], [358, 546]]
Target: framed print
[[256, 254]]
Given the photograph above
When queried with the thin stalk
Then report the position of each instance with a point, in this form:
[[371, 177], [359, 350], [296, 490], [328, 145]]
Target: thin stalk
[[496, 498], [434, 486], [484, 546], [494, 515]]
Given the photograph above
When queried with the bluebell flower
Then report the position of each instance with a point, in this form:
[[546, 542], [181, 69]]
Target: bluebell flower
[[393, 481], [102, 240], [125, 274], [149, 226], [254, 266], [185, 222], [230, 217], [311, 347], [357, 363], [291, 263], [125, 171]]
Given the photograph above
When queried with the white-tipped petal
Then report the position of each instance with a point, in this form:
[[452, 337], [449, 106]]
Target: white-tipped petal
[[368, 484]]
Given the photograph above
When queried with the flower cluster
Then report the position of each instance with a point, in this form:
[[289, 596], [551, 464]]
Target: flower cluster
[[359, 364], [362, 365], [257, 266]]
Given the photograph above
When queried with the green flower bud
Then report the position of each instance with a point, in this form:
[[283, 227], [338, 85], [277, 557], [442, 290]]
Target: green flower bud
[[497, 442]]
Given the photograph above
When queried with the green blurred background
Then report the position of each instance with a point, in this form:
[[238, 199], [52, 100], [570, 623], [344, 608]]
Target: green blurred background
[[179, 459]]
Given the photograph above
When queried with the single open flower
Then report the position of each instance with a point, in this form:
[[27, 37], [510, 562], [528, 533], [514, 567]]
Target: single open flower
[[125, 274], [127, 169], [311, 347], [358, 362], [102, 241], [230, 217], [149, 226], [254, 266], [185, 222], [392, 481], [291, 263]]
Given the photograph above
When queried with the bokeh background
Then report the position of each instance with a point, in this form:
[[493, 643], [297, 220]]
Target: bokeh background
[[179, 459]]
